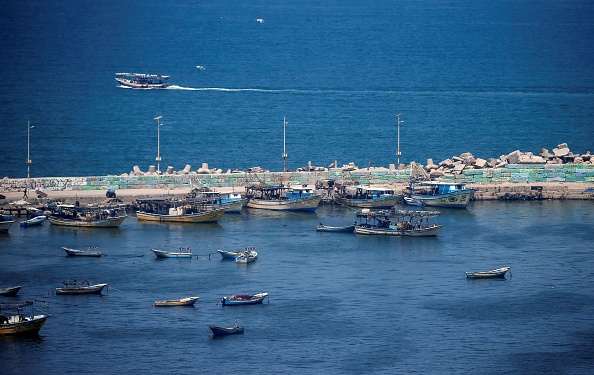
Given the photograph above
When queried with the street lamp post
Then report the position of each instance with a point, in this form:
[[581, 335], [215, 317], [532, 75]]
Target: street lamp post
[[398, 153], [158, 143], [285, 144], [29, 149]]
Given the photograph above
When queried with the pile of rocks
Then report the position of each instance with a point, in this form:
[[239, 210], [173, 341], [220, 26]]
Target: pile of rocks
[[561, 155]]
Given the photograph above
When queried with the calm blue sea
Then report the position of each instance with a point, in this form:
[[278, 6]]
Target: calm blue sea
[[486, 77]]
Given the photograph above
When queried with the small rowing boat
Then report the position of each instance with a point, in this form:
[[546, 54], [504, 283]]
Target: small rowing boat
[[224, 331], [325, 228], [188, 301], [498, 273], [244, 299], [37, 220], [184, 252], [88, 252]]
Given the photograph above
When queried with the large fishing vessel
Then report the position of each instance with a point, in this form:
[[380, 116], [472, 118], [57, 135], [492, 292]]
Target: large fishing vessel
[[142, 81]]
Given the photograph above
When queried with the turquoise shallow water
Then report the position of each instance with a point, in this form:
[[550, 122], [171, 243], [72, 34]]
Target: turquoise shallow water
[[339, 303]]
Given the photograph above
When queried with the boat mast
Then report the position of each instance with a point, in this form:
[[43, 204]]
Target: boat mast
[[284, 144], [28, 149]]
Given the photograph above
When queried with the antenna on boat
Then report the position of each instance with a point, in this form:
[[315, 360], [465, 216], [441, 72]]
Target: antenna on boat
[[398, 153], [285, 144]]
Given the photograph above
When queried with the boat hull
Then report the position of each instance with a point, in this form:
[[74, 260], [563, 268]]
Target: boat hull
[[171, 254], [189, 301], [382, 202], [256, 299], [91, 289], [36, 221], [5, 225], [131, 84], [10, 292], [27, 326], [211, 216], [82, 253], [430, 231], [225, 331], [451, 200], [347, 229], [498, 273], [112, 222], [228, 254], [309, 203]]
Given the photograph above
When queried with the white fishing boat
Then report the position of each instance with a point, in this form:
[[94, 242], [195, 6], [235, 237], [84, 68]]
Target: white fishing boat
[[361, 196], [439, 193], [247, 256], [143, 81], [35, 221], [184, 252], [21, 323], [84, 287]]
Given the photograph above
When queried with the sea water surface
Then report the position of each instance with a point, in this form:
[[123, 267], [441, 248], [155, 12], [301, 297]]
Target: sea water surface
[[479, 76], [468, 76], [339, 303]]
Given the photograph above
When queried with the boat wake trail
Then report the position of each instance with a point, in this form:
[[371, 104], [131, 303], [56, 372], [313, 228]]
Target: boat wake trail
[[174, 87]]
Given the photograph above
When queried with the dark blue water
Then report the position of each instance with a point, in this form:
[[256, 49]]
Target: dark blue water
[[339, 303], [479, 76]]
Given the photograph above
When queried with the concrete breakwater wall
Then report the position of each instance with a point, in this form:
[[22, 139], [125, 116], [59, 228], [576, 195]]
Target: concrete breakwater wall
[[514, 181]]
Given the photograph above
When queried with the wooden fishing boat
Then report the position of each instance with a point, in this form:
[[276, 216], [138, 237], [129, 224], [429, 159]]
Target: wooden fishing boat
[[177, 210], [90, 251], [6, 222], [83, 287], [498, 273], [10, 291], [187, 301], [90, 216], [280, 198], [244, 299], [232, 202], [325, 228], [366, 196], [248, 256], [37, 220], [397, 223], [20, 323], [224, 331], [184, 252], [439, 194]]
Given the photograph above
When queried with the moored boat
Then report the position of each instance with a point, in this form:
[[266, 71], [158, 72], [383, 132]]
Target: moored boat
[[248, 256], [91, 216], [440, 194], [10, 291], [224, 331], [397, 223], [231, 201], [345, 229], [6, 222], [37, 220], [413, 202], [83, 287], [187, 301], [184, 252], [90, 251], [281, 198], [244, 299], [143, 81], [498, 273], [20, 323], [366, 196], [177, 210], [234, 254]]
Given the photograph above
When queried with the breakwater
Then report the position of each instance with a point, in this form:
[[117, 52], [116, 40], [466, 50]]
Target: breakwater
[[514, 181]]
